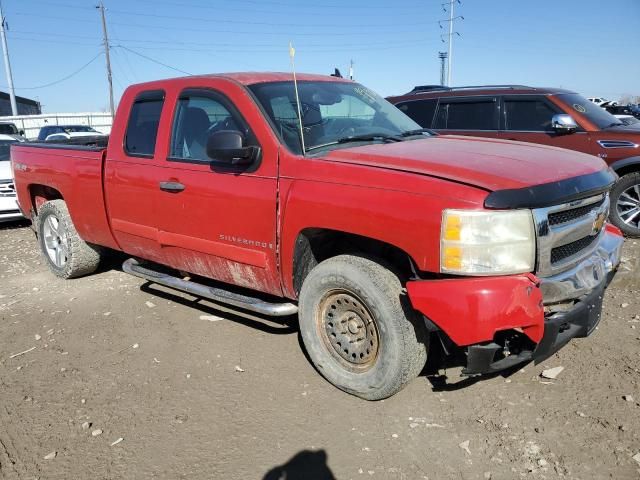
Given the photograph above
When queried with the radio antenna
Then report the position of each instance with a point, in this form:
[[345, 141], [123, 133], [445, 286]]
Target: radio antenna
[[292, 53]]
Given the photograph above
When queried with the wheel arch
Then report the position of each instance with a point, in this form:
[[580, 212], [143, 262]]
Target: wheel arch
[[39, 194], [313, 245], [626, 165]]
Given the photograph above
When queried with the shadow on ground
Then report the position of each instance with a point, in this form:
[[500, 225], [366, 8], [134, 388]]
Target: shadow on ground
[[305, 465]]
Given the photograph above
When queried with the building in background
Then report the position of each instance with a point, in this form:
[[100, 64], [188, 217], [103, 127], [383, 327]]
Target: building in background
[[25, 105]]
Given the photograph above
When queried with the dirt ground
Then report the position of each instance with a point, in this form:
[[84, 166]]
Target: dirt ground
[[192, 390]]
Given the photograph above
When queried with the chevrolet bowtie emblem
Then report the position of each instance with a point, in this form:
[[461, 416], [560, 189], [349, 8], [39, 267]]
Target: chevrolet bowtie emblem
[[598, 223]]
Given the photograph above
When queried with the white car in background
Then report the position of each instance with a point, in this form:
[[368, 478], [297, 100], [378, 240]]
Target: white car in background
[[72, 132], [598, 100], [8, 204]]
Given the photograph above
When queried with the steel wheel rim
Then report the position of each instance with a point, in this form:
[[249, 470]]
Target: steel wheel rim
[[56, 241], [348, 330], [628, 206]]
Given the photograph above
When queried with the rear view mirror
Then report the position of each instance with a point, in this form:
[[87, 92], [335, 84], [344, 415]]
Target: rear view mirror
[[21, 132], [227, 146], [563, 123]]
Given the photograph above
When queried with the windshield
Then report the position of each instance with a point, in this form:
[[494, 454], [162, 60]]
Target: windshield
[[5, 147], [78, 128], [597, 115], [8, 129], [331, 112]]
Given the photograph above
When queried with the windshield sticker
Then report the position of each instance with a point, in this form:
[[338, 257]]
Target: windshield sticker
[[579, 108], [366, 94]]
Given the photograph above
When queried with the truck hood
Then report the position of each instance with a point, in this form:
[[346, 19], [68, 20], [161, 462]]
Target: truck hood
[[486, 163]]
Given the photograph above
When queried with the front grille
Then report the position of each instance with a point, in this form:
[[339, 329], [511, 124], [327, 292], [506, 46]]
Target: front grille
[[568, 233], [558, 254], [567, 216], [7, 190]]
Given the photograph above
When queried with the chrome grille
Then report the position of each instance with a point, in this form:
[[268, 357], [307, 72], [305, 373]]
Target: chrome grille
[[568, 233], [7, 189]]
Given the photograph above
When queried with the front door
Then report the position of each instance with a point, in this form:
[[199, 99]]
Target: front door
[[527, 118], [217, 220]]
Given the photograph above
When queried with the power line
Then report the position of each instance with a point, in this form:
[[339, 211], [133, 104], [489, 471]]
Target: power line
[[287, 34], [214, 44], [64, 78], [268, 23], [152, 59]]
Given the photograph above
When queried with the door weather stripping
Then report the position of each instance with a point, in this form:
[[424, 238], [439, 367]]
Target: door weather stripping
[[218, 295]]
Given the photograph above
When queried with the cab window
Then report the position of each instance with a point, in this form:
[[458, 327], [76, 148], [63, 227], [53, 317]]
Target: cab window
[[142, 128], [198, 115]]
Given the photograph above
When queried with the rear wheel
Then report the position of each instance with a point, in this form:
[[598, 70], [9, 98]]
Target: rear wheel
[[359, 329], [67, 255], [625, 204]]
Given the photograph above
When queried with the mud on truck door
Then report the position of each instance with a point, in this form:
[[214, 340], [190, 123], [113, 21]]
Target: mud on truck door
[[220, 219]]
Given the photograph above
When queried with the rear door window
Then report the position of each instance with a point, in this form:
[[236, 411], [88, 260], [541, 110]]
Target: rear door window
[[478, 113], [142, 128], [420, 111], [529, 115]]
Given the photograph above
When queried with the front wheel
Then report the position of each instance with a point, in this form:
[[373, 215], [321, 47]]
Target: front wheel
[[67, 255], [359, 329], [625, 204]]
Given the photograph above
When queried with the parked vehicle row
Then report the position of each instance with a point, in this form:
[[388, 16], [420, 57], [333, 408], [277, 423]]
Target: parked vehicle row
[[9, 209], [555, 117], [369, 227]]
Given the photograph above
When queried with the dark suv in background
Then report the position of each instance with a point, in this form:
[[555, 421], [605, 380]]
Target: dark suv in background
[[550, 116]]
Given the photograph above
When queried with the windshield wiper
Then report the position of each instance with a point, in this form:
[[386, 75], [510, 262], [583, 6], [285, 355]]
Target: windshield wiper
[[614, 124], [417, 131], [367, 137]]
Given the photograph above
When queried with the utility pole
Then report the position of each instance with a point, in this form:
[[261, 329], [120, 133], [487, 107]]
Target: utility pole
[[442, 56], [106, 51], [451, 6], [7, 64]]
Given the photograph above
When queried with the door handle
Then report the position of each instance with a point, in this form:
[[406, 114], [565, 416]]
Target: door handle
[[171, 187]]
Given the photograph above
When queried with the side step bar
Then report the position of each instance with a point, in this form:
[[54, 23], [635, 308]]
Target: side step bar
[[133, 267]]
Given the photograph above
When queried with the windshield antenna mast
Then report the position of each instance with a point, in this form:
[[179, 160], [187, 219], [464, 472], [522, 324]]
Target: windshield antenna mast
[[292, 53]]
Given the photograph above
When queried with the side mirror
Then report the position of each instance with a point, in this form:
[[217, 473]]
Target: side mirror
[[226, 146], [563, 123]]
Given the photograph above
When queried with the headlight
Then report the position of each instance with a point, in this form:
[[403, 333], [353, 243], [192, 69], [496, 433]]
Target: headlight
[[487, 242]]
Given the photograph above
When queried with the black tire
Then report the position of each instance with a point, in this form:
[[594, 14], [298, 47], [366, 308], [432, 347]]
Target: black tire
[[618, 209], [371, 293], [80, 258]]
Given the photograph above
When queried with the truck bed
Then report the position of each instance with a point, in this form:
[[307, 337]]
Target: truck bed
[[75, 173]]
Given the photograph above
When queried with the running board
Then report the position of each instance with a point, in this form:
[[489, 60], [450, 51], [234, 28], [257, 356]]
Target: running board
[[133, 267]]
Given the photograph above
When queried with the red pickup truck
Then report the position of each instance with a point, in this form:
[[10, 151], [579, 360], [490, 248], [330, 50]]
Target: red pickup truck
[[381, 236]]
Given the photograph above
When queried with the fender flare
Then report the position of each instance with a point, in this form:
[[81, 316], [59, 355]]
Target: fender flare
[[619, 165]]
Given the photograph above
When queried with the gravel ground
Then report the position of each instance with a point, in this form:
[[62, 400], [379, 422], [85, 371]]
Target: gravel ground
[[121, 379]]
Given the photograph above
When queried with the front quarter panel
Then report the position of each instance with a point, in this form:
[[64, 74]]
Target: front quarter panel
[[400, 208]]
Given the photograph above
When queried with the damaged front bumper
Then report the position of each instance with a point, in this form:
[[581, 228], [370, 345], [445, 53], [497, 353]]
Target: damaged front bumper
[[506, 321]]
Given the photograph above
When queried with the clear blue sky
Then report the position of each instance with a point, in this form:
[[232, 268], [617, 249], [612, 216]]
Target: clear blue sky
[[587, 45]]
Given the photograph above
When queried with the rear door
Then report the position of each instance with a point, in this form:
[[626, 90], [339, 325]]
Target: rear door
[[220, 220], [527, 118], [476, 115], [132, 173]]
